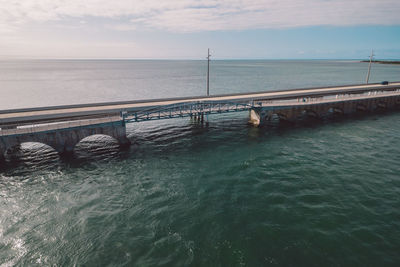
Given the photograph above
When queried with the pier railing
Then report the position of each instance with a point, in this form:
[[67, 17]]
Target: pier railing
[[186, 110]]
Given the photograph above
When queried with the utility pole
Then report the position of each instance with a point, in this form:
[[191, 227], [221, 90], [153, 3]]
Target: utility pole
[[369, 66], [208, 72]]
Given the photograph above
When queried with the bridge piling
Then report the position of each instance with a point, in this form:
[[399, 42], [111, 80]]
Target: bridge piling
[[260, 116]]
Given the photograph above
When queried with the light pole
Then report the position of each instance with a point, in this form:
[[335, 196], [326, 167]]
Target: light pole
[[208, 72], [369, 66]]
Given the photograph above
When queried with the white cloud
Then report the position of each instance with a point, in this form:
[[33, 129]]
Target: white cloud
[[59, 49], [202, 15]]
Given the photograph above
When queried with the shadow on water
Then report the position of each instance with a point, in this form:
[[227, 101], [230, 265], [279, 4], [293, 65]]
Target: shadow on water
[[164, 138], [166, 203]]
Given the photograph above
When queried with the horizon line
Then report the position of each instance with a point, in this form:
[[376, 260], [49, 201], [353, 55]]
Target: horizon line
[[195, 59]]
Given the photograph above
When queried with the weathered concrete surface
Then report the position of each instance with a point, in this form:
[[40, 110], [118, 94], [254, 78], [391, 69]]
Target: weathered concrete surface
[[262, 115], [64, 140]]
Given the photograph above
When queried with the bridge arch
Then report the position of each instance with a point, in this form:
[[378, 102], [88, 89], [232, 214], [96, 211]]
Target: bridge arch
[[30, 149], [96, 146], [361, 107], [77, 137], [282, 116], [381, 105], [98, 139], [65, 140], [335, 111], [272, 117], [310, 113]]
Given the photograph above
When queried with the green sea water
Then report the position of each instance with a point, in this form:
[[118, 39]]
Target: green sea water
[[317, 193]]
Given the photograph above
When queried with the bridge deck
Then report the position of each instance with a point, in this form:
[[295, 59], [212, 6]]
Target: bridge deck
[[112, 109], [58, 126], [185, 110]]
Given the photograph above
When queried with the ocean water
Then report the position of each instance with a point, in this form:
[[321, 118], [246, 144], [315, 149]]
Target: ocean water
[[59, 82], [318, 193]]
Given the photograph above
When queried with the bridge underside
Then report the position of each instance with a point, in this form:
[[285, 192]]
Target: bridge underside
[[263, 115], [64, 140]]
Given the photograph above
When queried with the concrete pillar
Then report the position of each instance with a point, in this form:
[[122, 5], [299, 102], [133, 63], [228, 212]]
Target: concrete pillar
[[2, 151], [347, 107], [370, 103], [119, 133], [397, 101], [254, 117], [296, 113], [323, 110], [361, 107], [391, 102]]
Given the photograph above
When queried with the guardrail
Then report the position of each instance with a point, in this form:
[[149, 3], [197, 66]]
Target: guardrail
[[36, 128], [186, 110], [192, 108]]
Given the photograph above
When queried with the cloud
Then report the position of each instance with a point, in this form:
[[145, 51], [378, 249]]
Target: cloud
[[59, 49], [202, 15]]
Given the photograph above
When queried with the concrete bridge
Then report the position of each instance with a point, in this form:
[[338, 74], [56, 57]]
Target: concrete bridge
[[62, 127], [63, 136]]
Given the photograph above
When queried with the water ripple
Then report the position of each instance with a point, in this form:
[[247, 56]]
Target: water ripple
[[223, 194]]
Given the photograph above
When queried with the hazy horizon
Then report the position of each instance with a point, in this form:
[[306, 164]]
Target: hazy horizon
[[212, 59], [253, 29]]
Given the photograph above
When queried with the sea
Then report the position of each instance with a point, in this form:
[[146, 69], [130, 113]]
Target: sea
[[221, 193]]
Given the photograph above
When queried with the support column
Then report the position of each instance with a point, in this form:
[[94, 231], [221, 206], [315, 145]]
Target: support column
[[2, 151], [254, 117], [120, 135]]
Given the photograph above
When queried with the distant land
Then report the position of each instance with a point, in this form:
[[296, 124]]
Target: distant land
[[384, 61]]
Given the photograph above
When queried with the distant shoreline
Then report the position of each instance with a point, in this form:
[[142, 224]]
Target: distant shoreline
[[383, 61]]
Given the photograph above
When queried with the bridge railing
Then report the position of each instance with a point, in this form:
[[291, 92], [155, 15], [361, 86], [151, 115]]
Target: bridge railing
[[186, 110], [35, 128], [329, 98]]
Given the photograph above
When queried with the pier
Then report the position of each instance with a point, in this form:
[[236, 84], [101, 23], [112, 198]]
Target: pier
[[62, 127]]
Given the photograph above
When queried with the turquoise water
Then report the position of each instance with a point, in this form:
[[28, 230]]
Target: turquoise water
[[185, 194]]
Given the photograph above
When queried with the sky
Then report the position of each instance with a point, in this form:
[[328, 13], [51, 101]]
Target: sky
[[184, 29]]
